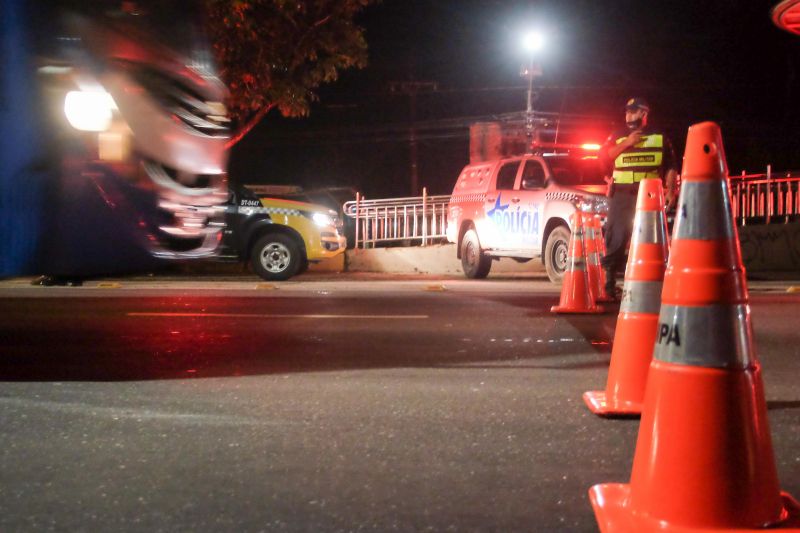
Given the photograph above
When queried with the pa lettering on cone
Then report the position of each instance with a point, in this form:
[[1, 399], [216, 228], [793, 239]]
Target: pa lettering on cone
[[704, 458]]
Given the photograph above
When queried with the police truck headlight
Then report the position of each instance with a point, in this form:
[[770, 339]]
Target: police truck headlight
[[322, 219], [593, 205], [89, 110], [586, 206], [601, 205]]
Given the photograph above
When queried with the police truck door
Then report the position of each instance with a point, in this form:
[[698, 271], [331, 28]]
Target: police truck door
[[493, 235], [524, 221]]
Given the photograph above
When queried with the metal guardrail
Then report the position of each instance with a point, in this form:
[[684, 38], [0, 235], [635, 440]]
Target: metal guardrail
[[756, 199], [421, 218], [765, 198]]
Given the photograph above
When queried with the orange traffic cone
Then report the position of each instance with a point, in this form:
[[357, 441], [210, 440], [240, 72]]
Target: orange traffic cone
[[637, 322], [704, 455], [601, 253], [575, 294], [594, 273]]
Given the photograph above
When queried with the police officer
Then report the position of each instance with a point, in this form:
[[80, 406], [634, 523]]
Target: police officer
[[636, 153]]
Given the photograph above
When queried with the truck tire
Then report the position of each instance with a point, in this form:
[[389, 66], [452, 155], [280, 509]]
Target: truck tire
[[275, 257], [303, 266], [556, 253], [474, 262]]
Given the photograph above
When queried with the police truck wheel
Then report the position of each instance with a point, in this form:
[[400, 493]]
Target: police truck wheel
[[556, 253], [275, 257], [474, 262]]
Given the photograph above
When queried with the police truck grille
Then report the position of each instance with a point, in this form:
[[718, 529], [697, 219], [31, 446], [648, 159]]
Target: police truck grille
[[190, 208]]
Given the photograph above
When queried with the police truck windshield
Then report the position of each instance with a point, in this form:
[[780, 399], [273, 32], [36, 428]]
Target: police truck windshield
[[571, 171]]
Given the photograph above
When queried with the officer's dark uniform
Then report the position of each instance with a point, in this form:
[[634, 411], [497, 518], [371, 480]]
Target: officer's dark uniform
[[651, 157]]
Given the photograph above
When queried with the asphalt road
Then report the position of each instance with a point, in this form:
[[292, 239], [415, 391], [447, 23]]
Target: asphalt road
[[323, 405]]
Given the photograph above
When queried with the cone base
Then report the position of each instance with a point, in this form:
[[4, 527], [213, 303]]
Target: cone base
[[577, 310], [611, 504], [600, 404]]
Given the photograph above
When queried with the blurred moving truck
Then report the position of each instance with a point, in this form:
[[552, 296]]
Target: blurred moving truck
[[120, 161]]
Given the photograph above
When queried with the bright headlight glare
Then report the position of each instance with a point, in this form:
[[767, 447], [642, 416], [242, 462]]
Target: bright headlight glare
[[321, 219], [593, 205], [89, 110]]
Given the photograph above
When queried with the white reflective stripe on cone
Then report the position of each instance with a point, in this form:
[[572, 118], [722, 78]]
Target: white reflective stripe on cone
[[576, 264], [641, 297], [714, 336], [704, 211], [648, 228]]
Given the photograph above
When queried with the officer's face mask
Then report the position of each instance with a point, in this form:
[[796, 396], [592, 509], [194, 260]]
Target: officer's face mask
[[634, 124], [634, 119]]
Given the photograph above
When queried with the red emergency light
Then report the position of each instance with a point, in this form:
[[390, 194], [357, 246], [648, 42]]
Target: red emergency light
[[786, 15], [589, 147]]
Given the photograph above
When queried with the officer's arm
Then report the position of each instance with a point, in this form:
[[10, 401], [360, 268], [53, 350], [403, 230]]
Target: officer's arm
[[671, 182], [671, 176], [615, 149], [607, 163]]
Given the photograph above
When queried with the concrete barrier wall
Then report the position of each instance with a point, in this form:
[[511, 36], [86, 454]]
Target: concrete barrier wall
[[437, 259], [774, 247], [434, 259], [770, 247]]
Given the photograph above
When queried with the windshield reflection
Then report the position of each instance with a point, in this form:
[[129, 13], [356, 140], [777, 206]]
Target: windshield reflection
[[571, 172]]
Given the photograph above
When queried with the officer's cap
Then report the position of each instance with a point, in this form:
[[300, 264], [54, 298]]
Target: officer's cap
[[637, 103]]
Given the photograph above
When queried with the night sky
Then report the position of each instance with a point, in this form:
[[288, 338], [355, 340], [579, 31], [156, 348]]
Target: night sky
[[720, 60]]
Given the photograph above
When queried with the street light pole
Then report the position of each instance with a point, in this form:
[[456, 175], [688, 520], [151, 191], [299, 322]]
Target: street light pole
[[532, 43], [529, 107], [412, 89]]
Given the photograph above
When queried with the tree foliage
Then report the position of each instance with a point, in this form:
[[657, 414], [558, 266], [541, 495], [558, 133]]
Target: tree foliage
[[276, 53]]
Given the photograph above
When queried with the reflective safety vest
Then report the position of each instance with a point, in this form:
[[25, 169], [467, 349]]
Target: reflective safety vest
[[641, 161]]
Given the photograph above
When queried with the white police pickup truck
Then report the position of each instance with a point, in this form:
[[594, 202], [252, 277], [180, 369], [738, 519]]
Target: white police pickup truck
[[520, 208]]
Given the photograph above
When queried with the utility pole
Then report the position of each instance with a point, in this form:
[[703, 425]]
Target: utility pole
[[532, 42], [530, 71], [412, 89]]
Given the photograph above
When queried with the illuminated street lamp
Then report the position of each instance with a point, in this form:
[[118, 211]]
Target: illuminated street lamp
[[532, 43]]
